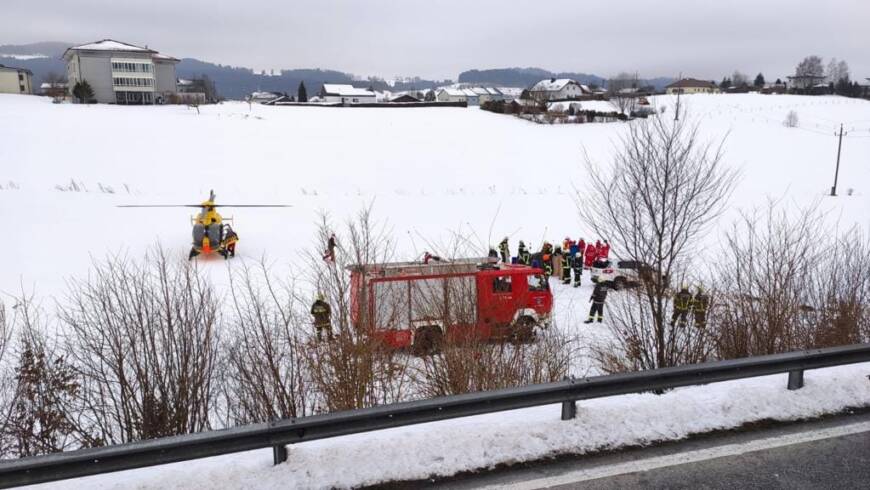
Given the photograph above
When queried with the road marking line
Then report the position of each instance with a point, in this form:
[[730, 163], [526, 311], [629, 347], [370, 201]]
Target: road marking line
[[686, 457]]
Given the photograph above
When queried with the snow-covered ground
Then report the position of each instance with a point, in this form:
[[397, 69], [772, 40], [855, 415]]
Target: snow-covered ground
[[430, 173], [484, 441]]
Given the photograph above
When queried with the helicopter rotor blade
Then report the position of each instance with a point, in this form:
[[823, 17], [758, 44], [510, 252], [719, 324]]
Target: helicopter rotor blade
[[159, 206], [253, 206]]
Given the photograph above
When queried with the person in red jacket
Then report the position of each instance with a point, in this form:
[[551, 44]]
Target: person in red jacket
[[604, 251], [590, 256]]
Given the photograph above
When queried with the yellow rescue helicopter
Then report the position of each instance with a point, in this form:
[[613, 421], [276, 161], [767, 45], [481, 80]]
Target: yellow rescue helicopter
[[211, 233]]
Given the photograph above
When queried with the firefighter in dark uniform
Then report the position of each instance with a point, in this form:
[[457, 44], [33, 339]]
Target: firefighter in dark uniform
[[322, 314], [505, 251], [682, 304], [523, 255], [567, 264], [577, 265], [599, 295], [700, 303]]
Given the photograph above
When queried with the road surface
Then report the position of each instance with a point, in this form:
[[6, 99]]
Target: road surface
[[830, 453]]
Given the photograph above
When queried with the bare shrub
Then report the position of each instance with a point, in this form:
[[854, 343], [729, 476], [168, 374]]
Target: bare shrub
[[663, 190], [474, 365], [780, 291], [39, 415], [266, 376], [791, 120], [144, 339], [842, 292], [353, 370], [763, 283]]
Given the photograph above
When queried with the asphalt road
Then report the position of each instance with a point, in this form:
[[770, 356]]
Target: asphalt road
[[832, 453]]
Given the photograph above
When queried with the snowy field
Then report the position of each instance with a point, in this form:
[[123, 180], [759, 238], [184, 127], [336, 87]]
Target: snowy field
[[430, 173]]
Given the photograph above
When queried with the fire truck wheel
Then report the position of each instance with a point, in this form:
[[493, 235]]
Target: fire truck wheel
[[524, 331], [427, 340]]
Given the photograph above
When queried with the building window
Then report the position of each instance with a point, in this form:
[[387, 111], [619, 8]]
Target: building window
[[22, 88], [20, 77]]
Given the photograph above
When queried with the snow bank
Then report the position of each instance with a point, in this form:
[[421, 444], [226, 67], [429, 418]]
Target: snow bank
[[473, 443]]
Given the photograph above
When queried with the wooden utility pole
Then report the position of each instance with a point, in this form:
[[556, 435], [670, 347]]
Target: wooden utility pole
[[679, 90], [837, 171]]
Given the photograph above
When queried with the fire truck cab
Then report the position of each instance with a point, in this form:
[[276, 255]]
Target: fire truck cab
[[415, 305]]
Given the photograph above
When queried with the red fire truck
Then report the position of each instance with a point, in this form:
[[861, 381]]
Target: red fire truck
[[417, 305]]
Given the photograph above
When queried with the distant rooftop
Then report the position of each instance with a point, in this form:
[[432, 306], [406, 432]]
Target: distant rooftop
[[693, 83], [111, 45], [116, 46], [25, 70], [345, 90]]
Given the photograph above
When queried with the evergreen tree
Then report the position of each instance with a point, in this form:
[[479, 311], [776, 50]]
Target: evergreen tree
[[83, 92], [302, 94], [759, 80], [725, 83]]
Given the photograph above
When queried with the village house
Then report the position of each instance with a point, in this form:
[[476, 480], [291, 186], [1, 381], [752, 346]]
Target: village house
[[122, 73], [53, 89], [453, 94], [558, 89], [692, 86], [15, 80], [346, 94]]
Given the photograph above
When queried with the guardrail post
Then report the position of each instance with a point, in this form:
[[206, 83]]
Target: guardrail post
[[279, 453], [569, 410], [796, 379]]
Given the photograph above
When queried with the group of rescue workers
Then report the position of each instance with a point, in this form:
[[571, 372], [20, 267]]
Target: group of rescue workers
[[571, 257], [560, 261]]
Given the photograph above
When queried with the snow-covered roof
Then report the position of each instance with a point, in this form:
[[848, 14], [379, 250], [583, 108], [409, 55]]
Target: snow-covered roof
[[265, 95], [511, 91], [48, 85], [459, 92], [552, 84], [161, 56], [182, 81], [344, 90], [111, 45]]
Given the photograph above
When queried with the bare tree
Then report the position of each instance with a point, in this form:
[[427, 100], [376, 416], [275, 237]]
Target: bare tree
[[620, 90], [837, 71], [662, 191], [791, 120], [267, 377], [144, 339], [739, 79], [811, 66]]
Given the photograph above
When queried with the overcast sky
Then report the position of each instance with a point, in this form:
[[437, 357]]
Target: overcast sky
[[440, 38]]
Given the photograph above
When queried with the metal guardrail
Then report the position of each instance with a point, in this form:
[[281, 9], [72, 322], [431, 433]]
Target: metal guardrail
[[280, 433]]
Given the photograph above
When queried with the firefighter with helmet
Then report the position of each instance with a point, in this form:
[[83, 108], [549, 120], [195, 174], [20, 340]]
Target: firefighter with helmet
[[682, 304], [523, 255], [322, 314], [505, 251], [700, 304]]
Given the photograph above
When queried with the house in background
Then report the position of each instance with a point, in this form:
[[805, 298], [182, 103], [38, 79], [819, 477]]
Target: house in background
[[558, 89], [122, 73], [454, 94], [346, 94], [406, 97], [53, 89], [692, 86], [15, 80]]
